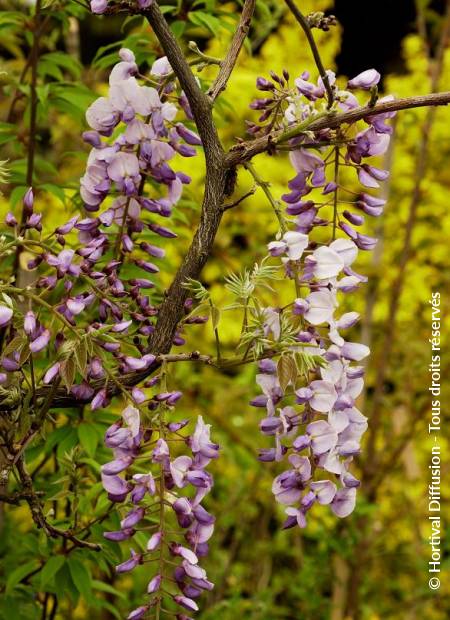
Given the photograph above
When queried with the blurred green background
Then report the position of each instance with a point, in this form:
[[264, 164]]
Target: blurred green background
[[372, 565]]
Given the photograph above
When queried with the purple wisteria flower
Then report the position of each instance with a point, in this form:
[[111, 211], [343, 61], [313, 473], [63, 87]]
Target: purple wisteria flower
[[365, 80], [6, 314], [320, 435], [135, 132], [140, 493]]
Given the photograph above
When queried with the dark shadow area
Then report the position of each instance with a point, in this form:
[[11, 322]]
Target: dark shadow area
[[373, 33]]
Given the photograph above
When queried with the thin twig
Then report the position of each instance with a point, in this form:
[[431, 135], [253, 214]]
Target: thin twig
[[265, 186], [227, 65], [37, 514], [241, 199], [335, 199], [16, 498], [34, 59], [315, 50], [245, 151], [18, 93]]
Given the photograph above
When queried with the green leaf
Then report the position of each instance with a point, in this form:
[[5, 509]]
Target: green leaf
[[24, 355], [67, 372], [16, 344], [111, 608], [19, 573], [69, 442], [42, 93], [287, 371], [102, 53], [105, 587], [81, 354], [50, 569], [60, 59], [47, 68], [88, 438], [56, 437], [64, 583], [17, 194], [215, 316], [209, 22], [71, 99], [178, 27], [7, 131], [9, 18], [80, 577], [55, 190]]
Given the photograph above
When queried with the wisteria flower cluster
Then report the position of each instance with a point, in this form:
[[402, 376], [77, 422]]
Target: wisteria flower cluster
[[107, 320], [317, 426], [147, 496], [134, 136], [86, 326], [93, 277]]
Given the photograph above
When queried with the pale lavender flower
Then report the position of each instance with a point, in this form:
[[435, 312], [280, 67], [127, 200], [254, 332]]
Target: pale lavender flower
[[161, 67], [5, 315], [99, 6], [40, 342], [365, 80]]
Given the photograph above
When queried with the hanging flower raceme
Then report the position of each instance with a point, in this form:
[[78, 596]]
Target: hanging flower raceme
[[161, 498], [136, 134], [312, 416]]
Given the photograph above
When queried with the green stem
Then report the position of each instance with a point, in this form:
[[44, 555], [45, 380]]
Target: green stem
[[301, 19], [301, 127], [161, 492], [264, 185], [216, 331], [336, 180]]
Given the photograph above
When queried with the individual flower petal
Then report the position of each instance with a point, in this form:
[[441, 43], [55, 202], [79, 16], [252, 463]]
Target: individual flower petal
[[178, 469], [355, 351], [161, 67], [323, 437], [5, 315], [186, 602], [132, 419], [344, 502], [138, 613], [129, 565], [201, 440], [327, 263], [154, 541], [321, 306], [365, 80], [99, 6], [325, 491], [296, 244], [114, 484], [51, 373], [348, 320], [324, 396], [40, 342], [154, 584]]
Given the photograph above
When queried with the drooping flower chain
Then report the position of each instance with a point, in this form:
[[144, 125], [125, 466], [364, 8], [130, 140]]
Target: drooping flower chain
[[148, 496], [146, 138], [321, 435]]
